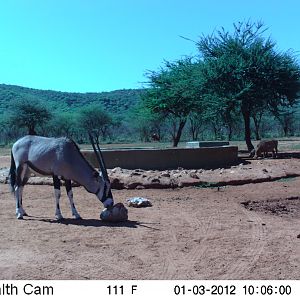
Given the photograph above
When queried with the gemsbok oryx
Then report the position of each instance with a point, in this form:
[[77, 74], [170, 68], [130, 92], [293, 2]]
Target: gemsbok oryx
[[62, 159]]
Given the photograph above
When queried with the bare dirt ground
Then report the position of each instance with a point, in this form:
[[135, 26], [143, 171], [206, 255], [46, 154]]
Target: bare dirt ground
[[241, 222]]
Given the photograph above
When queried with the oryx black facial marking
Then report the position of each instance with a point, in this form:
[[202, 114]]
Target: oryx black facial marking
[[58, 157]]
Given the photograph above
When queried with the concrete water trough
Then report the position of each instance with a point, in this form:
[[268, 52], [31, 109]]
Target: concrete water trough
[[201, 144], [171, 158]]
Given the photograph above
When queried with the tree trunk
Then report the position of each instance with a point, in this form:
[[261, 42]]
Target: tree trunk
[[229, 132], [31, 130], [178, 134], [193, 129], [257, 118], [215, 131], [246, 116], [256, 125], [285, 130]]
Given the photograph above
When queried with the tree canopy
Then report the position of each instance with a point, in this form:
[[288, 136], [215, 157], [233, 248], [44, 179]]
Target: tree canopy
[[94, 119], [174, 91], [29, 114], [246, 72]]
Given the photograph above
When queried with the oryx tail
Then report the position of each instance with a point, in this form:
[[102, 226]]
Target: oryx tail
[[12, 174]]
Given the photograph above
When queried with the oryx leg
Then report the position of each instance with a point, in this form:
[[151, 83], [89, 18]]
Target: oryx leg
[[22, 177], [275, 152], [70, 196], [25, 177], [57, 184]]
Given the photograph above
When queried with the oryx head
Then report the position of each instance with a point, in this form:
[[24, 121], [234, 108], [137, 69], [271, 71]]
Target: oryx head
[[103, 192]]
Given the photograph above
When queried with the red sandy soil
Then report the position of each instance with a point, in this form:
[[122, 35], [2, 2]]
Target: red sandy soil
[[239, 230]]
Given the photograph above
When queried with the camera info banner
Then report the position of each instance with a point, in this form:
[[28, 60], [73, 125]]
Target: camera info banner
[[150, 289]]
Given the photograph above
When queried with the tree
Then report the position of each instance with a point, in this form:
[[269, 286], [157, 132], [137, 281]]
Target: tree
[[286, 118], [62, 124], [145, 122], [195, 125], [6, 132], [220, 113], [29, 114], [174, 92], [245, 69], [94, 119]]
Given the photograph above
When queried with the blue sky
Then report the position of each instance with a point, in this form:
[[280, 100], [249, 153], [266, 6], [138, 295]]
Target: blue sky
[[104, 45]]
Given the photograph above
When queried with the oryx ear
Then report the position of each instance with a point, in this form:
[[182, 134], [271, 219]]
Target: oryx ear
[[95, 174]]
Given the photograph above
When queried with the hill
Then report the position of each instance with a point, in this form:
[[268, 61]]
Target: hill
[[116, 102]]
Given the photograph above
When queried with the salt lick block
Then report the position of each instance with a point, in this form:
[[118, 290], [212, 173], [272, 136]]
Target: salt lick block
[[117, 213]]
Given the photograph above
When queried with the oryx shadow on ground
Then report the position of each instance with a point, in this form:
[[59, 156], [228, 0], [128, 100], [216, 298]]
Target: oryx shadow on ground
[[93, 222]]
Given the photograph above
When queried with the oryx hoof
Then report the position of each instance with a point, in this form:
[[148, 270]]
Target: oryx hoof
[[77, 217], [59, 217], [19, 216]]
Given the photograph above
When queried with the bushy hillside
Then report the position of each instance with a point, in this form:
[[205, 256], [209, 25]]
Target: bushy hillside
[[116, 102]]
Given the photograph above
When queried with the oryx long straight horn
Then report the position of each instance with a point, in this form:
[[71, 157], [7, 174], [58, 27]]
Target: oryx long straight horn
[[100, 159], [101, 166], [103, 169]]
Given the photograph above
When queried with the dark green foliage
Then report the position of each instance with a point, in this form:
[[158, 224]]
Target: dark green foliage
[[63, 124], [147, 123], [65, 109], [175, 92], [28, 114], [115, 102], [244, 71], [94, 119]]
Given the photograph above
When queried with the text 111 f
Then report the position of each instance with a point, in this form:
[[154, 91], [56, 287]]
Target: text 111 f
[[119, 289]]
